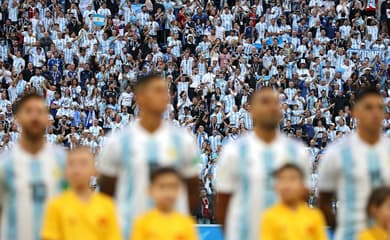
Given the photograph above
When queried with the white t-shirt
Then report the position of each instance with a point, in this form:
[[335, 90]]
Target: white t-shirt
[[352, 169], [26, 182], [131, 156], [245, 170]]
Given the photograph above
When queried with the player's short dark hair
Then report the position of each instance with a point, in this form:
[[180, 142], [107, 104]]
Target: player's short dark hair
[[24, 99], [289, 166], [161, 171], [377, 197], [364, 92], [144, 80]]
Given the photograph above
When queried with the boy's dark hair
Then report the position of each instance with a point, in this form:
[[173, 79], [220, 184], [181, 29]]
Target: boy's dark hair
[[289, 166], [144, 80], [25, 98], [160, 171], [366, 92], [377, 198]]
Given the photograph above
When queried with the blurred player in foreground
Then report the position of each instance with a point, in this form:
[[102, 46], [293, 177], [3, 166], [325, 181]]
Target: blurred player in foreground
[[130, 156], [291, 218], [245, 172], [80, 213], [163, 222], [30, 173], [378, 210], [354, 165]]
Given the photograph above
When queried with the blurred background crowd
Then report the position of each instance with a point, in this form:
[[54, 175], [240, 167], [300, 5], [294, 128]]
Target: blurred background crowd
[[85, 56]]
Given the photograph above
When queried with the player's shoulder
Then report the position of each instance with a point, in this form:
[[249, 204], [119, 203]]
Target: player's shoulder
[[274, 211], [341, 143], [62, 199], [242, 142], [292, 142], [184, 219], [104, 199]]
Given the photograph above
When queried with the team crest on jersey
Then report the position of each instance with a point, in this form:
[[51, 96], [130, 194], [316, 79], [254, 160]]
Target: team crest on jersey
[[172, 154], [57, 173]]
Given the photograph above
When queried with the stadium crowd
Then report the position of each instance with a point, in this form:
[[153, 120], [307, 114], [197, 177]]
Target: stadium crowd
[[214, 54]]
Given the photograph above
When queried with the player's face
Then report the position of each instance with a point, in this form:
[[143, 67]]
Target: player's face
[[79, 169], [165, 190], [370, 113], [154, 97], [265, 109], [289, 186], [33, 118]]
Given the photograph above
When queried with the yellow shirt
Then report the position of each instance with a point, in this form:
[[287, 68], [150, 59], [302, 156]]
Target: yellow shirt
[[282, 223], [374, 233], [154, 225], [67, 217]]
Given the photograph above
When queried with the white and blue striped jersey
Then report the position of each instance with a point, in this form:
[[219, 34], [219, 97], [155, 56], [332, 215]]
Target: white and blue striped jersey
[[352, 169], [26, 183], [132, 154], [246, 170]]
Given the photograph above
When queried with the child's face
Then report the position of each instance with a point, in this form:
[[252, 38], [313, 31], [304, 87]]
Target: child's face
[[382, 214], [165, 190], [79, 169], [289, 186]]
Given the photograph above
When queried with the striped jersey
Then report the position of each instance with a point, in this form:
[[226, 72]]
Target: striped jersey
[[133, 153], [245, 171], [352, 169], [26, 182]]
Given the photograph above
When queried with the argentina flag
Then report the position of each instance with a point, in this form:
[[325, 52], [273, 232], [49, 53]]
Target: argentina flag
[[98, 19]]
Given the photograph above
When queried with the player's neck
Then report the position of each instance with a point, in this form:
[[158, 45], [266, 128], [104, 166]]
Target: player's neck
[[84, 193], [150, 122], [369, 137], [31, 145], [164, 210], [293, 205], [267, 135]]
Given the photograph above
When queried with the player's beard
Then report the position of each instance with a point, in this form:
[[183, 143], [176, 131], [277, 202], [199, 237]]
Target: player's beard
[[34, 133]]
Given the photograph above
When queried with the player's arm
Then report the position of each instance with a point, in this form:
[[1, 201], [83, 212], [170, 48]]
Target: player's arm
[[109, 164], [193, 187], [223, 200], [325, 204], [107, 185], [227, 181], [328, 181]]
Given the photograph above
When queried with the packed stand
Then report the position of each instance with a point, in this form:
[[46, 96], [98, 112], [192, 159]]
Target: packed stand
[[214, 54]]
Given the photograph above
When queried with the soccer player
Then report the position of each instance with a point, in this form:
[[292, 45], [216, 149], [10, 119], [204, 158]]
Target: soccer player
[[245, 182], [80, 213], [353, 166], [378, 210], [163, 222], [291, 218], [129, 157], [30, 173]]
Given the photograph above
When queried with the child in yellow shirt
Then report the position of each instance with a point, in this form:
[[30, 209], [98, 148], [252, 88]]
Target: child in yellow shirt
[[80, 213], [291, 218], [163, 222], [378, 209]]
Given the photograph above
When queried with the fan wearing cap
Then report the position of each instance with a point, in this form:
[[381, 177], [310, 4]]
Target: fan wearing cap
[[368, 77]]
